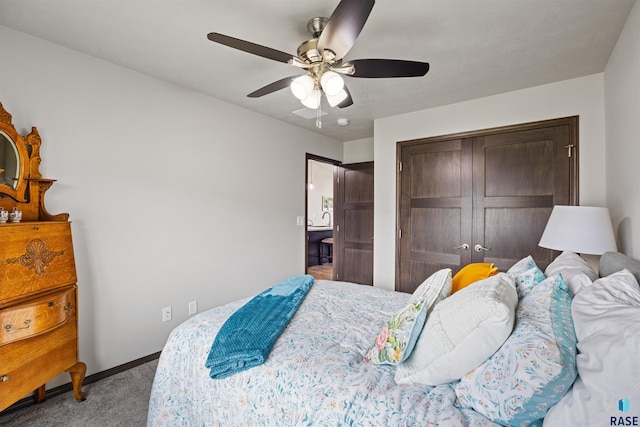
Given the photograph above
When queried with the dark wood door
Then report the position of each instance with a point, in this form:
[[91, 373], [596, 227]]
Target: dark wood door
[[353, 232], [482, 197], [518, 177], [435, 196]]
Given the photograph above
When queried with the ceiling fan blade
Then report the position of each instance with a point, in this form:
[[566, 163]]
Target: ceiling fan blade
[[245, 46], [347, 101], [344, 26], [272, 87], [381, 68]]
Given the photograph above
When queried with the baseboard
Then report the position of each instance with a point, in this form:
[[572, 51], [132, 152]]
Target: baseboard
[[28, 401]]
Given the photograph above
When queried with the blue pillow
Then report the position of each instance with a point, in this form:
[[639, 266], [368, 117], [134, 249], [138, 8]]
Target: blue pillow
[[534, 368]]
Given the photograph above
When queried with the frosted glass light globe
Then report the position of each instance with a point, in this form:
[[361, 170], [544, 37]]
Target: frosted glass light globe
[[336, 99], [313, 100], [302, 86], [332, 83]]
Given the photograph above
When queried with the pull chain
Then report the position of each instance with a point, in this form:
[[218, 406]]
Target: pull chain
[[319, 115]]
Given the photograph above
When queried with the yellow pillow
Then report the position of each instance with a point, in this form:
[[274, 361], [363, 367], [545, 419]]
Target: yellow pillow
[[471, 273]]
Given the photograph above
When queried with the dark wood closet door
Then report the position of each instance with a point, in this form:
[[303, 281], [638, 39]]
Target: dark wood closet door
[[435, 209], [353, 242], [518, 177], [492, 190]]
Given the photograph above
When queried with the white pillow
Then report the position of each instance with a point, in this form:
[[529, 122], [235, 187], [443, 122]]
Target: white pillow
[[576, 281], [570, 265], [462, 331], [606, 317], [435, 288]]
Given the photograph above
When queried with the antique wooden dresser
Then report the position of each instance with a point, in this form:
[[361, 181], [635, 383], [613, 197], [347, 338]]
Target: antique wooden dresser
[[38, 291]]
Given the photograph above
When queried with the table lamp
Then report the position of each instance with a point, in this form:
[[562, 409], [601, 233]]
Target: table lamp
[[579, 229]]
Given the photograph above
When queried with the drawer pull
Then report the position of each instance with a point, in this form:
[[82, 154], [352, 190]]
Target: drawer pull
[[4, 378], [8, 327]]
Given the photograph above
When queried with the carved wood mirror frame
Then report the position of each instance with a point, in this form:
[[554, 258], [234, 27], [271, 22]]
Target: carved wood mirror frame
[[28, 194]]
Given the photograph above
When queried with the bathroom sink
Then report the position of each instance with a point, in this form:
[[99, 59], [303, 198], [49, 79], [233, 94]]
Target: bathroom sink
[[319, 227]]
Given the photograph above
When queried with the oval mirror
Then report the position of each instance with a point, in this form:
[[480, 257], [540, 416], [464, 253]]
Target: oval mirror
[[9, 162]]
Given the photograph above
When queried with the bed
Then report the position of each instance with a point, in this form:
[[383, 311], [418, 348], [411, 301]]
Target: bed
[[330, 366]]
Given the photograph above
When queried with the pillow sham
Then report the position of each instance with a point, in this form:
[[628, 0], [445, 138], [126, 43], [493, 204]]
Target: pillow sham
[[606, 323], [471, 273], [526, 263], [398, 335], [571, 266], [461, 332], [535, 366], [527, 280], [526, 275]]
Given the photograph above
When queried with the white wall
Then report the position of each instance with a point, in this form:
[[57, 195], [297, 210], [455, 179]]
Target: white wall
[[622, 101], [358, 150], [583, 96], [322, 178], [174, 196]]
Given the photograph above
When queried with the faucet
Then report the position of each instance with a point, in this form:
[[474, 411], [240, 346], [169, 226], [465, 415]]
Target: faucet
[[327, 213]]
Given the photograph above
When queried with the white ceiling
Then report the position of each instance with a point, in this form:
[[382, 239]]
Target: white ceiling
[[475, 48]]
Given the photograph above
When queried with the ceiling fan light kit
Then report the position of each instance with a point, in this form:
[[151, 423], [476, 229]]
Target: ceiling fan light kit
[[322, 55]]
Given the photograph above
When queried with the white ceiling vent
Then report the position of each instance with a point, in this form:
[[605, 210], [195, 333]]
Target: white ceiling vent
[[308, 113]]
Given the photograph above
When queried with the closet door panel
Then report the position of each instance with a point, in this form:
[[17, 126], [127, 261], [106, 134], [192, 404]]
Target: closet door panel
[[435, 194], [518, 177], [508, 234], [518, 169]]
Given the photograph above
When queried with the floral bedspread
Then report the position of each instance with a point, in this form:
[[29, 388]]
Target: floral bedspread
[[315, 375]]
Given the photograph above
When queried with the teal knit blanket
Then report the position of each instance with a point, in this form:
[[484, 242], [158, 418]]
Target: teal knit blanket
[[247, 337]]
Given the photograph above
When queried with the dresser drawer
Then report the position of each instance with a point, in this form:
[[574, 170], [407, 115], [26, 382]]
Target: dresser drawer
[[27, 364], [37, 316], [35, 256]]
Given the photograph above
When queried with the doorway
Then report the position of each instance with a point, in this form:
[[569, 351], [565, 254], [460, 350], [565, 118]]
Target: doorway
[[320, 189]]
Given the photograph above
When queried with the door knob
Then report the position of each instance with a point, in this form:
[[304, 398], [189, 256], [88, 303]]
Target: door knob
[[463, 246], [480, 248]]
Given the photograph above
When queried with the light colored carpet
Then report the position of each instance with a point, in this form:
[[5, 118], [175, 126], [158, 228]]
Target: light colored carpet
[[118, 400]]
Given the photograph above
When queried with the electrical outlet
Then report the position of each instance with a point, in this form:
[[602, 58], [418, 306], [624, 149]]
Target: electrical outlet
[[166, 314], [193, 307]]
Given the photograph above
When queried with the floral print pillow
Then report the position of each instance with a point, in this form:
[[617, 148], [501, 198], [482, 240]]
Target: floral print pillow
[[534, 368], [399, 334], [392, 344]]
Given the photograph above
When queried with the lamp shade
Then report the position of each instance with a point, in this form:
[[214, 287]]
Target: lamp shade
[[579, 229]]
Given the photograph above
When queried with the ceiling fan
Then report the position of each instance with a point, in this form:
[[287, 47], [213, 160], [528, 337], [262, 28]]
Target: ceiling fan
[[322, 58]]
